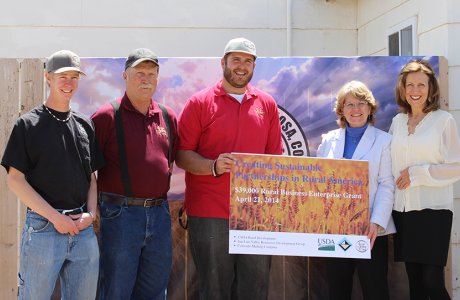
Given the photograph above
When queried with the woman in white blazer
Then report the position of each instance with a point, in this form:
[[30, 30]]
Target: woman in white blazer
[[358, 139]]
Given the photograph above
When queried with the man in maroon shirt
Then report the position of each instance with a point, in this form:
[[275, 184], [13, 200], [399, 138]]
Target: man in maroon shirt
[[231, 116], [138, 138]]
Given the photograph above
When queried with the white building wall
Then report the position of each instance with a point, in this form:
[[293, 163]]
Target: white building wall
[[438, 33], [176, 28]]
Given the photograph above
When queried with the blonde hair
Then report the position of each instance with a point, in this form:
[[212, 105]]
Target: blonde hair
[[358, 90]]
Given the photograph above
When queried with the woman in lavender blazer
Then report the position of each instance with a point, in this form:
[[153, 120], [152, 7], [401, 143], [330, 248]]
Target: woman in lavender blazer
[[358, 139]]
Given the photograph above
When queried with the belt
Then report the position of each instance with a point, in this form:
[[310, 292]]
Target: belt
[[73, 211], [131, 201]]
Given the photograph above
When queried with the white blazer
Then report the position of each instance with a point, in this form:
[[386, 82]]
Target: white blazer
[[374, 147]]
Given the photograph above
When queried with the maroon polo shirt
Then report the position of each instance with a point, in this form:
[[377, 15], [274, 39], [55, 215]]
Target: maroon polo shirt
[[146, 143]]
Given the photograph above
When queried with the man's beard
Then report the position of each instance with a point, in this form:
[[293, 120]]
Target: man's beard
[[235, 82]]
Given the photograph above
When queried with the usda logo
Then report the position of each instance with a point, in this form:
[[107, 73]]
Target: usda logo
[[325, 244]]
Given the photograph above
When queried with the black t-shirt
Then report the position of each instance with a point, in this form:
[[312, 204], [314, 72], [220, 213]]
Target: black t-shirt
[[57, 158]]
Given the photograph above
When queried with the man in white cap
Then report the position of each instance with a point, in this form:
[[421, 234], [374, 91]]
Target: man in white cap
[[51, 158], [138, 137], [231, 116]]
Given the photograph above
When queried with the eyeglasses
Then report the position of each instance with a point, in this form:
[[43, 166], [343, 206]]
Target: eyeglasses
[[360, 104]]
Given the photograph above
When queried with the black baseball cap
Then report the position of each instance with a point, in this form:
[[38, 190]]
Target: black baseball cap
[[139, 55], [62, 61]]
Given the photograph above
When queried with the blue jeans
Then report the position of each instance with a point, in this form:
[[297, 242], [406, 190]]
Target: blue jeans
[[47, 254], [136, 251], [221, 275]]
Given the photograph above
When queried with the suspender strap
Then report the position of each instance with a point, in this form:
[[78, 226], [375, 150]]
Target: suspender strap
[[168, 129], [121, 148], [121, 144]]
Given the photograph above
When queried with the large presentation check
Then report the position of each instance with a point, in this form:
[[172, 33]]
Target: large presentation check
[[302, 206]]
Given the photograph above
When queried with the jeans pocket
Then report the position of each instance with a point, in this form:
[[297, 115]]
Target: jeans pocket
[[37, 224], [110, 210]]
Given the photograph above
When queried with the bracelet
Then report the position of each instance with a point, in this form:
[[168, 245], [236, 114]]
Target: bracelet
[[92, 216], [214, 169]]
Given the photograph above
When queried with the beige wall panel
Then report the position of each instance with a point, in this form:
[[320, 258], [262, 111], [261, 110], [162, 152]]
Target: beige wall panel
[[185, 14], [118, 42], [430, 15], [16, 84], [31, 95], [179, 43], [444, 83], [176, 28], [433, 42], [324, 43], [9, 108], [330, 15], [454, 46], [369, 10], [372, 39], [454, 89], [455, 251], [145, 13], [32, 71], [453, 12]]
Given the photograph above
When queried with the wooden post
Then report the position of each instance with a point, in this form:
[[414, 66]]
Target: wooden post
[[32, 94], [444, 93], [9, 242], [21, 89]]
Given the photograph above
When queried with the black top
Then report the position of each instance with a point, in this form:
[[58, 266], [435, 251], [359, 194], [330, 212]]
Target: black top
[[56, 157]]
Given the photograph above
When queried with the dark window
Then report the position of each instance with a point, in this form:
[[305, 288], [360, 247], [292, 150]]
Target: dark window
[[393, 44], [400, 42]]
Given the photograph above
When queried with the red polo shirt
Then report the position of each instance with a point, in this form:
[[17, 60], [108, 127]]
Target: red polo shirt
[[211, 123], [146, 145]]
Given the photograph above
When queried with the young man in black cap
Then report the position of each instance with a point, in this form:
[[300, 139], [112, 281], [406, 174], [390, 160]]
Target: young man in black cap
[[51, 158], [138, 137], [231, 116]]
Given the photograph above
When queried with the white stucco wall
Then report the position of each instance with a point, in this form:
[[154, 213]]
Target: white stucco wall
[[438, 33], [175, 28]]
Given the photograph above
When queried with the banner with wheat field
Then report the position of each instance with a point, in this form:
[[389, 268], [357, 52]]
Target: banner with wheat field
[[302, 206]]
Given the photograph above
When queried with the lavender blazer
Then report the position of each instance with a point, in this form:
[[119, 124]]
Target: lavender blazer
[[374, 147]]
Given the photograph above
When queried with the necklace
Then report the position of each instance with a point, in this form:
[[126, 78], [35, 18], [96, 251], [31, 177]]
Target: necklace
[[56, 118]]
